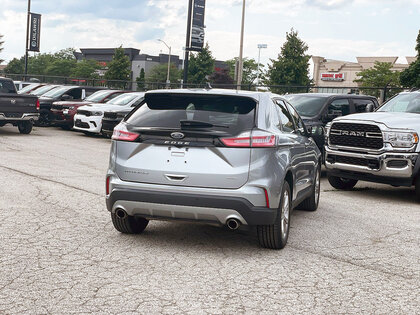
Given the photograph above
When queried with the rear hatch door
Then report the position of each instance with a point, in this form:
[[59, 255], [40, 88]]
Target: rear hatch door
[[180, 144]]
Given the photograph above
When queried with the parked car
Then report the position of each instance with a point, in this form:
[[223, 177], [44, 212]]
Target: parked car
[[64, 111], [63, 93], [42, 90], [31, 87], [112, 118], [318, 109], [218, 156], [380, 147], [89, 117], [15, 109], [19, 85]]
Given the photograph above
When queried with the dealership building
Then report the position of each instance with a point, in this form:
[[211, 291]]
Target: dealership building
[[138, 61], [335, 75]]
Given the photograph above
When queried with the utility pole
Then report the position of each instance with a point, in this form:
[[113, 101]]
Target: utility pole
[[187, 42], [27, 38], [241, 49], [260, 46]]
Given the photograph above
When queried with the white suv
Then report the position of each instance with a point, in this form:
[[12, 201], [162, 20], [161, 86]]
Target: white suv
[[89, 118]]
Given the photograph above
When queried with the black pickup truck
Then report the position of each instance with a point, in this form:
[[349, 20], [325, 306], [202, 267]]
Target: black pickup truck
[[19, 110], [318, 109]]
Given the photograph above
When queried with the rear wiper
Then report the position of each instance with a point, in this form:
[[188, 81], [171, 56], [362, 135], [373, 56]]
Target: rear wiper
[[198, 124]]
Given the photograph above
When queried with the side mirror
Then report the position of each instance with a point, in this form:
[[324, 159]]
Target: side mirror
[[309, 130], [369, 108], [65, 97]]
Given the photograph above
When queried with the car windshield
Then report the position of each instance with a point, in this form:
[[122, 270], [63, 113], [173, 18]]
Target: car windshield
[[306, 105], [56, 92], [43, 90], [97, 96], [403, 103], [123, 99], [28, 88]]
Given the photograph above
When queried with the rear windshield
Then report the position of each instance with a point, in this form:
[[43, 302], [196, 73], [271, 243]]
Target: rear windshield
[[232, 114], [307, 105], [6, 86]]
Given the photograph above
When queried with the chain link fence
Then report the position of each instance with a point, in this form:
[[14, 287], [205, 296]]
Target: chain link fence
[[382, 93]]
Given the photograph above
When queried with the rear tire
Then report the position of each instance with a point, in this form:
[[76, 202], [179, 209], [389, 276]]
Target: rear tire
[[418, 188], [129, 224], [311, 203], [341, 183], [275, 236], [25, 127]]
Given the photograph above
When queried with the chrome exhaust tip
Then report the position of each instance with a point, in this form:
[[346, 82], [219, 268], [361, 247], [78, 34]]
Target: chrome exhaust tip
[[233, 224], [121, 213]]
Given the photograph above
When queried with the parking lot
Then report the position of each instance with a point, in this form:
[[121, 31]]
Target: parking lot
[[359, 253]]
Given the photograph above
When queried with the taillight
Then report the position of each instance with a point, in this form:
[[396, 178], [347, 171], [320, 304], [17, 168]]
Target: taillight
[[122, 134], [107, 185], [38, 106], [255, 141]]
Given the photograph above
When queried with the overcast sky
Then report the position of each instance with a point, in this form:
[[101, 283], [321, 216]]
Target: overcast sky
[[335, 29]]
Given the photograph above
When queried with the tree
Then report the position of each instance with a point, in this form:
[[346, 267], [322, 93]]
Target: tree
[[61, 67], [380, 75], [140, 80], [250, 69], [292, 64], [158, 74], [85, 69], [1, 48], [119, 67], [410, 77], [15, 66], [201, 66], [222, 78]]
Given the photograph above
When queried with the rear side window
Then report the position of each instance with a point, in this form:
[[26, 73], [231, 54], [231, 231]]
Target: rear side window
[[231, 114], [340, 107], [7, 87], [285, 117], [360, 104]]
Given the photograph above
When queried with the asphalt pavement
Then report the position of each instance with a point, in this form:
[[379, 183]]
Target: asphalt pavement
[[59, 253]]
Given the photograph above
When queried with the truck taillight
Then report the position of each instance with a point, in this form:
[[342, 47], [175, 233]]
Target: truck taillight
[[38, 106], [258, 140], [122, 134]]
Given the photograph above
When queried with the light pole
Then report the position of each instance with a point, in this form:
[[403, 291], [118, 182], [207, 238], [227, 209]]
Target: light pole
[[260, 46], [168, 81], [241, 49]]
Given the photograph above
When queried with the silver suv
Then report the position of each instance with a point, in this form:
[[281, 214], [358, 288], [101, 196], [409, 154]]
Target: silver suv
[[217, 156]]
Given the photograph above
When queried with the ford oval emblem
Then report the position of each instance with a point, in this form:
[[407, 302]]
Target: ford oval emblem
[[177, 135]]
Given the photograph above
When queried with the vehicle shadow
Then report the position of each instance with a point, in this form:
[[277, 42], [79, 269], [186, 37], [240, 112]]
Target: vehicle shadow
[[189, 236]]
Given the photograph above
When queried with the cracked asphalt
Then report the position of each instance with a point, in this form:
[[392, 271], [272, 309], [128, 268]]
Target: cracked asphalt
[[59, 253]]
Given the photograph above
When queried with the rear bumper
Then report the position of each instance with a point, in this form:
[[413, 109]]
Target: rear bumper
[[24, 117], [167, 202]]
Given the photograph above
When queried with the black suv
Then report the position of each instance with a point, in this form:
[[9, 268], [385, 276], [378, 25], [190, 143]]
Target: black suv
[[318, 109]]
